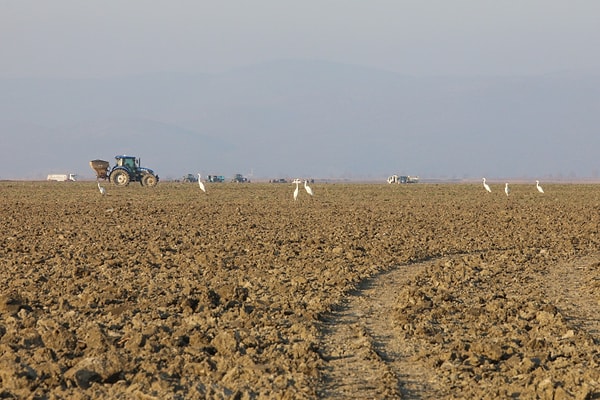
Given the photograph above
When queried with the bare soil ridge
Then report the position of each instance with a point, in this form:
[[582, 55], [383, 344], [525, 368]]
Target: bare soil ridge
[[168, 293]]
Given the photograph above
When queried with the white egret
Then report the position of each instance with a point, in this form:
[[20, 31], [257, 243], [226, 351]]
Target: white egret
[[201, 184], [539, 188], [506, 189], [486, 186], [296, 190], [101, 189], [308, 189]]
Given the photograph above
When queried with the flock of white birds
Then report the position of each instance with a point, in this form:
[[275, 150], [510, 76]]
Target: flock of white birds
[[310, 191], [507, 189], [306, 187]]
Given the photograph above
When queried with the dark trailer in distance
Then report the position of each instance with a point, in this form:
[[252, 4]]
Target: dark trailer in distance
[[215, 178]]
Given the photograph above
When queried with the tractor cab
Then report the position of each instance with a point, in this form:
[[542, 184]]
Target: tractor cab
[[129, 162]]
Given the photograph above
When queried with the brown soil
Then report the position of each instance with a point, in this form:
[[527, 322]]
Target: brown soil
[[372, 291]]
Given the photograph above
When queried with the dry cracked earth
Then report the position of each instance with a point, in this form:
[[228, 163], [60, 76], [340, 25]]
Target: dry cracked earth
[[362, 291]]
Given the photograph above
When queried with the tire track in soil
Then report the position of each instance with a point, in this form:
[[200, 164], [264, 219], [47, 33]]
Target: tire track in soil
[[573, 285], [365, 359]]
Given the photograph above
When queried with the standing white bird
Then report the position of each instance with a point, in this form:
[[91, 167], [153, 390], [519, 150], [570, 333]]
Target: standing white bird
[[308, 189], [101, 189], [296, 190], [506, 189], [486, 186], [201, 184], [539, 188]]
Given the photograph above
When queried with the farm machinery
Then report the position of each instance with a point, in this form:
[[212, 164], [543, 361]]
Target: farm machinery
[[239, 178], [403, 179], [189, 178], [127, 169], [215, 178]]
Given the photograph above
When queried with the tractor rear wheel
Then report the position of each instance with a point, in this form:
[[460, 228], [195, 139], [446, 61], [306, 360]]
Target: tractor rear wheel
[[149, 180], [119, 178]]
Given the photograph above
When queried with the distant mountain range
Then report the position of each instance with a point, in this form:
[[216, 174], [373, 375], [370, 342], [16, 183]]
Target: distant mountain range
[[304, 118]]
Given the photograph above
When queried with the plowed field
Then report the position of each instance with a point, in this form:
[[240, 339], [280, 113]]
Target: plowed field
[[364, 290]]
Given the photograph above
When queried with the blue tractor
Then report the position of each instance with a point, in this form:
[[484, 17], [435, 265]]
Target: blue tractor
[[127, 169]]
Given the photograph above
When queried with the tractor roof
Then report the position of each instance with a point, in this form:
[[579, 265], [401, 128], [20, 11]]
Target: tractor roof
[[123, 157]]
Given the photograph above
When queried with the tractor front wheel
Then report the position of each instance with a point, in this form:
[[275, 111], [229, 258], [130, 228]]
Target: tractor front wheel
[[149, 180], [119, 178]]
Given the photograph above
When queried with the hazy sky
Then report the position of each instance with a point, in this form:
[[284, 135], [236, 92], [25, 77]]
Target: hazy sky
[[74, 38], [527, 40]]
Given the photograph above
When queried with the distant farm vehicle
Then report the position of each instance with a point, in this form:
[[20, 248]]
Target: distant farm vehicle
[[61, 177], [127, 169], [403, 179], [239, 178], [409, 179], [189, 178], [215, 178]]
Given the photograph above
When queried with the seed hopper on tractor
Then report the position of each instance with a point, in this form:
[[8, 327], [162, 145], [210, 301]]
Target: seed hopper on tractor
[[127, 169]]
